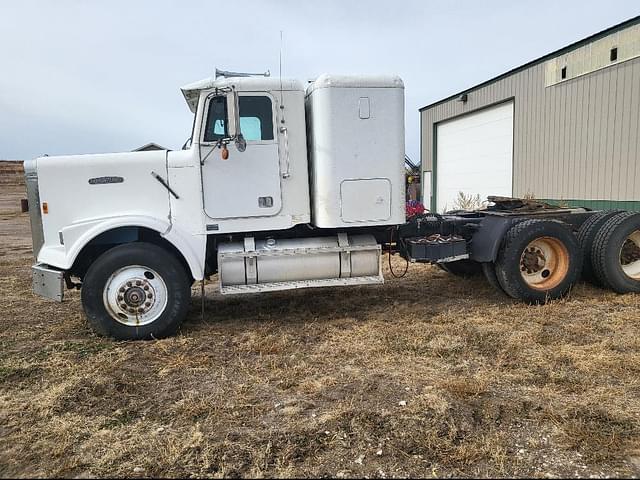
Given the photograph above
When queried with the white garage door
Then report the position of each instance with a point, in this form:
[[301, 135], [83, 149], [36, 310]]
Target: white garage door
[[475, 156]]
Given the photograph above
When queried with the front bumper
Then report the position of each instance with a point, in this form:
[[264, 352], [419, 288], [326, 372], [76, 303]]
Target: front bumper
[[48, 281]]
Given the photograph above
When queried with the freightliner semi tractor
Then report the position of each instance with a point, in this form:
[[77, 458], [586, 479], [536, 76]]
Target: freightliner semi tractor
[[281, 186]]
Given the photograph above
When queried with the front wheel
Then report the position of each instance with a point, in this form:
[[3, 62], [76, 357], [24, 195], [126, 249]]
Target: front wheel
[[136, 291], [539, 260]]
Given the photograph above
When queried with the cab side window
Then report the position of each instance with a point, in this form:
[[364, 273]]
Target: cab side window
[[216, 120], [256, 118]]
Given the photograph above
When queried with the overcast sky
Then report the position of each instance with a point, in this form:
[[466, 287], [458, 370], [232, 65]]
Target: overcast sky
[[84, 76]]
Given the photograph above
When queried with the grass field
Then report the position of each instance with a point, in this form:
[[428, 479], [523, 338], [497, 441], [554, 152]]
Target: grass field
[[429, 375]]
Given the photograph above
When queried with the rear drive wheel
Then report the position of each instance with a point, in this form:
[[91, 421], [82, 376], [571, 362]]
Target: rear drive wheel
[[136, 291], [616, 253], [539, 260], [586, 235]]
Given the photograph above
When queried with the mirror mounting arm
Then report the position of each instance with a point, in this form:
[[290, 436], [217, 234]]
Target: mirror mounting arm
[[241, 143]]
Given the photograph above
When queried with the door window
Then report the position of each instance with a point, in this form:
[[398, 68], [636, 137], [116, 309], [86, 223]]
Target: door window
[[256, 118], [216, 120]]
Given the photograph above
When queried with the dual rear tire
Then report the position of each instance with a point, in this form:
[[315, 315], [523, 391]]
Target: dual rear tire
[[615, 253], [539, 260], [586, 237]]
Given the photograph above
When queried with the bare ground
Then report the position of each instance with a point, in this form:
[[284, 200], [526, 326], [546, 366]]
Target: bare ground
[[429, 375]]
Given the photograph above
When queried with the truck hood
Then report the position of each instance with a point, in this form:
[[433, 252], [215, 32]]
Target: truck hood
[[83, 188]]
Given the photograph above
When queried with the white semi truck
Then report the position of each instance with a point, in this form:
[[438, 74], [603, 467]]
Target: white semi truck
[[284, 186]]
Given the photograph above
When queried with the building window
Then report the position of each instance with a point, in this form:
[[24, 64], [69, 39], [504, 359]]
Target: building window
[[563, 73], [613, 56], [256, 118]]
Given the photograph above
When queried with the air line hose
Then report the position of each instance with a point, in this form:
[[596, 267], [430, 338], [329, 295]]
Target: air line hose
[[406, 267]]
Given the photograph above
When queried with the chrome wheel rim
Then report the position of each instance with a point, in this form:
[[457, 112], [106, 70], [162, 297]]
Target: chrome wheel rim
[[544, 263], [630, 255], [135, 295]]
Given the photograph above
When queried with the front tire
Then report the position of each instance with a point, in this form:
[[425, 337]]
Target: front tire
[[136, 291], [539, 260]]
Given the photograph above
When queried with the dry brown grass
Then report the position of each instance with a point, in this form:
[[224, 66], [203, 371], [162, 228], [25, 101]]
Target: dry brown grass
[[428, 375]]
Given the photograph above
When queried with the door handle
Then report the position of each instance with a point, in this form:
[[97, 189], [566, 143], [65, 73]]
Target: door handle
[[285, 132]]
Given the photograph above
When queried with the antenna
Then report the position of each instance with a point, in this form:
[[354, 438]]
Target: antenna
[[281, 100]]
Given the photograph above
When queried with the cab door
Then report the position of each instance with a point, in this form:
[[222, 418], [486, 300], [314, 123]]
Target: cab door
[[246, 184]]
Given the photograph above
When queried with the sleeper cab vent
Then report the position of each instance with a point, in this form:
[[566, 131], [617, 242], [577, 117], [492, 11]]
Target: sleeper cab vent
[[364, 107]]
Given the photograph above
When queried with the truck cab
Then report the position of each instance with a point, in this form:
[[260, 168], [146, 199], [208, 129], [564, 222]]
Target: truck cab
[[282, 185], [274, 154]]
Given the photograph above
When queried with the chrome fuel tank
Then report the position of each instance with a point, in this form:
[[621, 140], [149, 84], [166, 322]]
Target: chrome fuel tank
[[299, 262]]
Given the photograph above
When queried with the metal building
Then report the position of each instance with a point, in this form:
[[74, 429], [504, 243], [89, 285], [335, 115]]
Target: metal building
[[562, 128]]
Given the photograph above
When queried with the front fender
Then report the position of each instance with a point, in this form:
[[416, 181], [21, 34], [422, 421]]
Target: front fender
[[77, 235]]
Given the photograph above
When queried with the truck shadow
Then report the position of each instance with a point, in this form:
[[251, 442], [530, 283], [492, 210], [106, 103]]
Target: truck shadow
[[424, 294]]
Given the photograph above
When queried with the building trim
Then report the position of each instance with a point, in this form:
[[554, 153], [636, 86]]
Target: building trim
[[434, 166], [633, 205], [573, 46]]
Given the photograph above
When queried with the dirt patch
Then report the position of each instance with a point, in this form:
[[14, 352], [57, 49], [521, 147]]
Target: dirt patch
[[428, 375]]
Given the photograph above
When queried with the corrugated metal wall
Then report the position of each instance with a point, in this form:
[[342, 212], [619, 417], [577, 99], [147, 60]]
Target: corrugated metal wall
[[575, 140]]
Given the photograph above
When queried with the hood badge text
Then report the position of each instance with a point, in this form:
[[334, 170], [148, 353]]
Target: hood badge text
[[103, 180]]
